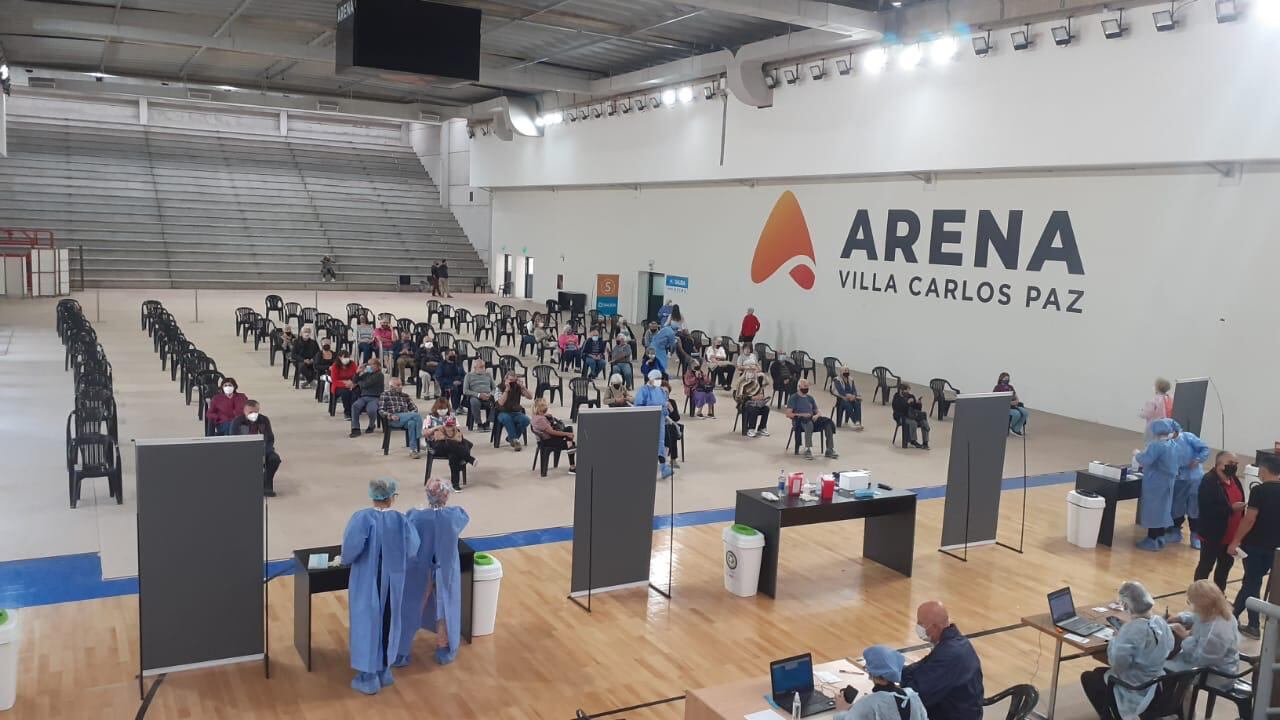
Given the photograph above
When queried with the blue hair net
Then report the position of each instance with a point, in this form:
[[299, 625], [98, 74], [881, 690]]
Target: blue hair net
[[884, 662], [382, 488], [1164, 426]]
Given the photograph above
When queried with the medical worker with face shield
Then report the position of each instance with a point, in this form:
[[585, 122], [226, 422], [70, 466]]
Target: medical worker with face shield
[[652, 395], [377, 545], [433, 583], [1159, 471]]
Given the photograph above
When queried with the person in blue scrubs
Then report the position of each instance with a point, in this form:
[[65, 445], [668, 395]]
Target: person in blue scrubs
[[433, 584], [652, 395], [1192, 453], [377, 545], [663, 343], [1159, 463]]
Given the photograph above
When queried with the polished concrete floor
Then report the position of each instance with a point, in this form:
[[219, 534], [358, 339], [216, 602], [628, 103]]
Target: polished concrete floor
[[324, 473]]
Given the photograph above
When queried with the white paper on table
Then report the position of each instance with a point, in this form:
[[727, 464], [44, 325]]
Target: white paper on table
[[826, 677], [1076, 638], [1100, 609], [1105, 634], [761, 715]]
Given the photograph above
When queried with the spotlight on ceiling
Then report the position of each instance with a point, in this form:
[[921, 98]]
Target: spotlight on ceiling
[[942, 49], [668, 97], [1061, 34], [1113, 28], [790, 76], [708, 92], [843, 67], [654, 102], [1021, 38], [909, 57], [1163, 20], [685, 94], [817, 72], [982, 45], [875, 60], [226, 88], [1226, 10], [770, 80]]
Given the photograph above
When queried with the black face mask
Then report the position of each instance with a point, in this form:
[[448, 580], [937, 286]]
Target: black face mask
[[1231, 469], [804, 391]]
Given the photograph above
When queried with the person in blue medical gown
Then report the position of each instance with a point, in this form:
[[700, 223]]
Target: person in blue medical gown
[[1159, 463], [652, 395], [1192, 453], [433, 584], [377, 545], [663, 343]]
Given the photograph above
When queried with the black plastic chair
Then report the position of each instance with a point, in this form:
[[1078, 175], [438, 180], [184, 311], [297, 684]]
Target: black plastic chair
[[462, 318], [431, 457], [466, 352], [504, 328], [939, 386], [795, 436], [1022, 700], [765, 355], [579, 388], [242, 314], [804, 363], [275, 304], [511, 364], [94, 455], [833, 365], [1170, 698], [307, 316], [444, 341], [543, 453], [421, 331], [149, 308], [1240, 693], [489, 354], [482, 326], [207, 383], [549, 381], [883, 388], [292, 311]]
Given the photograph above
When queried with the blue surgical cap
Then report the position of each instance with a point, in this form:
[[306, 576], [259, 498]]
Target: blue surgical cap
[[655, 374], [1164, 426], [382, 488], [884, 662]]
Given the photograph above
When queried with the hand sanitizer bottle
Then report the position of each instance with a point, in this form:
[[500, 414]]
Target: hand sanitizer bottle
[[795, 706]]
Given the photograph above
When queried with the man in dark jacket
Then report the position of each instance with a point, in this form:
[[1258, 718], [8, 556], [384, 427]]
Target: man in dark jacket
[[305, 351], [253, 422], [1222, 507], [449, 377], [370, 382], [909, 413], [594, 350], [435, 279], [949, 678], [444, 278]]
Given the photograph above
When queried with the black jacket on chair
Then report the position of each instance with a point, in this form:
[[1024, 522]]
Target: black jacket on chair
[[1215, 511]]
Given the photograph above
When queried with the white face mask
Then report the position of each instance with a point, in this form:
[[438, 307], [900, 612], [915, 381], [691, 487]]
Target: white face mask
[[442, 412], [253, 417], [428, 345], [229, 389], [346, 361], [656, 383], [923, 634]]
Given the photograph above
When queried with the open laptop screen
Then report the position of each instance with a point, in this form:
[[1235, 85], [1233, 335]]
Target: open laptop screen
[[791, 675], [1061, 606]]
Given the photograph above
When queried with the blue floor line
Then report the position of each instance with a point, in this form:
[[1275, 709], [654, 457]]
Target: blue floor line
[[71, 578]]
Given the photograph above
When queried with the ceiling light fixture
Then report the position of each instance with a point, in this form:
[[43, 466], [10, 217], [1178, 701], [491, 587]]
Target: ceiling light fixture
[[685, 94], [843, 67], [708, 92], [668, 97], [1113, 28], [1268, 11], [539, 121], [1061, 34], [1226, 10], [1163, 20], [817, 71], [1021, 38], [227, 88], [875, 60], [555, 118], [942, 49], [790, 76], [982, 44], [909, 57]]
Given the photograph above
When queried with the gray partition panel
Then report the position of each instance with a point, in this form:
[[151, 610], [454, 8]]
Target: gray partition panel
[[200, 551], [1188, 403], [613, 521], [976, 469]]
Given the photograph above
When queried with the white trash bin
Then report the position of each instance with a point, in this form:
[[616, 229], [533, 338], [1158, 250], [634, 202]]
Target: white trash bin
[[743, 549], [486, 578], [1084, 517], [8, 659]]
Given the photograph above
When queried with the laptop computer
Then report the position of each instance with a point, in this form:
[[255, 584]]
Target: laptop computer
[[1063, 610], [795, 675]]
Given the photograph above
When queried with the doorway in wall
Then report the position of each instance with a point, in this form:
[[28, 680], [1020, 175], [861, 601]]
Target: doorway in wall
[[528, 277], [508, 270], [651, 287]]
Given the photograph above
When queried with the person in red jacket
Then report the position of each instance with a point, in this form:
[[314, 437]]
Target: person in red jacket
[[343, 375], [750, 326], [225, 407]]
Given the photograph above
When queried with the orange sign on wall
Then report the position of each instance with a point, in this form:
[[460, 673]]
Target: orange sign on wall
[[607, 294]]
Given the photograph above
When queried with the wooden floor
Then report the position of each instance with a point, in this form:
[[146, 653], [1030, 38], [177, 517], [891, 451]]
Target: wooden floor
[[548, 657]]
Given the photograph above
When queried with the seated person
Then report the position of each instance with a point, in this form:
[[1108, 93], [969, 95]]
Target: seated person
[[552, 433], [440, 411], [1017, 411], [1208, 635], [478, 388], [805, 416], [616, 394], [304, 355], [225, 407], [847, 398], [364, 340], [342, 379], [620, 359], [887, 699], [568, 342], [510, 410], [428, 360], [949, 678], [718, 364], [650, 362], [398, 411], [1136, 654], [649, 331], [406, 355], [528, 338], [287, 340], [673, 430], [784, 373], [751, 393], [369, 385], [545, 334], [253, 422], [446, 441], [385, 339], [698, 381], [449, 377], [323, 361], [593, 355], [909, 412]]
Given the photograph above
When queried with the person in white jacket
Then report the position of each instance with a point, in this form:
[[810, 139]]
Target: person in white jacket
[[887, 700], [1210, 638]]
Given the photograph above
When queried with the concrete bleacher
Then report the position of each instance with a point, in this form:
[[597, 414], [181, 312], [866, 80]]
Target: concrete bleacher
[[154, 208]]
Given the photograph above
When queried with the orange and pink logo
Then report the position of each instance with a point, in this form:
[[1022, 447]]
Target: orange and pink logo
[[785, 243]]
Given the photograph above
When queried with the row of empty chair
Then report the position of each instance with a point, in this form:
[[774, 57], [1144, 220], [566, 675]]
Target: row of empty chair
[[93, 436]]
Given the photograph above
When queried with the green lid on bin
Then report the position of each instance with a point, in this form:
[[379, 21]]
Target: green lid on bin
[[484, 559], [744, 530], [4, 616]]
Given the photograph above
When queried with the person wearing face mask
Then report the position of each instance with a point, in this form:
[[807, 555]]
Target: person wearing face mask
[[848, 401], [949, 678], [672, 428], [1221, 499], [449, 377], [364, 340], [1017, 411], [398, 411], [909, 412], [478, 388], [803, 411], [225, 407], [324, 362], [887, 700], [1136, 654], [664, 313], [718, 364], [1159, 470], [620, 359], [1208, 634], [428, 362], [650, 363], [305, 351], [568, 344], [440, 411], [1258, 535], [253, 422], [593, 352], [446, 441], [342, 379], [652, 395], [663, 343], [616, 394], [511, 413], [371, 384], [751, 393], [384, 338], [406, 353], [1159, 407], [1192, 452]]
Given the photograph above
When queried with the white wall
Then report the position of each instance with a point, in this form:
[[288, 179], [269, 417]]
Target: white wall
[[1179, 280], [1201, 93], [445, 151]]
